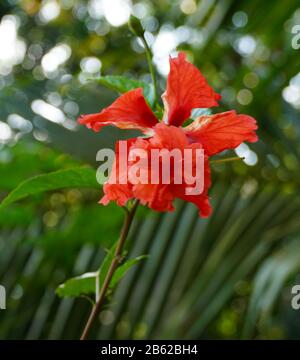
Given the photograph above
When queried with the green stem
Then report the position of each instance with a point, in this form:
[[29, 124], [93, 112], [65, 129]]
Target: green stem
[[234, 158], [151, 68], [112, 268]]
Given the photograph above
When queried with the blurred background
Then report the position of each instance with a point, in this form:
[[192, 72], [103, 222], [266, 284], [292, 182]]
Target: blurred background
[[229, 276]]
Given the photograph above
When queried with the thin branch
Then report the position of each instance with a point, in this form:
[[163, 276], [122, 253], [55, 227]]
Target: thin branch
[[151, 68], [234, 158], [113, 266]]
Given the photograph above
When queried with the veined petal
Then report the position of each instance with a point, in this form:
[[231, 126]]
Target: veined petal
[[168, 137], [120, 193], [129, 111], [201, 201], [186, 89], [222, 131], [118, 187], [157, 197]]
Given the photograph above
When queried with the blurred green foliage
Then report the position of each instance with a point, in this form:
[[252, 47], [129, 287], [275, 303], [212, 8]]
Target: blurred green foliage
[[228, 276]]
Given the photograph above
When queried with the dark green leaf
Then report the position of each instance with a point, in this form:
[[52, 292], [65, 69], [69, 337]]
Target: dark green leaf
[[81, 177], [85, 284]]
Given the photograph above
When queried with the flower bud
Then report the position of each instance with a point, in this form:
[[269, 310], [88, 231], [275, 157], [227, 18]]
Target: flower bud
[[135, 26]]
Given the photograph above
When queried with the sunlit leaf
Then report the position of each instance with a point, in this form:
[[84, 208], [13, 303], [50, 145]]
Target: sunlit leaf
[[122, 84], [84, 284]]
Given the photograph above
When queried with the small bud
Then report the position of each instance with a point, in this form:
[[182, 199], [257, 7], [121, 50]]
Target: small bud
[[135, 26]]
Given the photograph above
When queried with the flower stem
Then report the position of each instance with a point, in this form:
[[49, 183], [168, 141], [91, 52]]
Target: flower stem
[[151, 68], [234, 158], [113, 266]]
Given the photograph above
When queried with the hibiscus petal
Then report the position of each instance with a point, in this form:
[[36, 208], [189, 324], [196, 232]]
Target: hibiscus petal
[[202, 203], [157, 196], [118, 187], [161, 196], [186, 89], [120, 193], [201, 200], [168, 137], [129, 111], [222, 131]]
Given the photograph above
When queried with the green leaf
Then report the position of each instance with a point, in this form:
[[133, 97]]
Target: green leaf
[[120, 271], [17, 215], [122, 84], [84, 177], [123, 269], [84, 284]]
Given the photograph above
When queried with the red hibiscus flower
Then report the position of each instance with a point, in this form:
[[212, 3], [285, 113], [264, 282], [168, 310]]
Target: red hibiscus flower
[[186, 90]]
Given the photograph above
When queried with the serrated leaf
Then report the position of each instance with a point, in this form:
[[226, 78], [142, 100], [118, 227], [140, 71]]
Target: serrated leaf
[[122, 84], [81, 177], [84, 284]]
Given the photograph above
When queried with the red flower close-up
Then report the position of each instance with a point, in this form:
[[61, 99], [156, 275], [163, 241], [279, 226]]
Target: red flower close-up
[[186, 90]]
